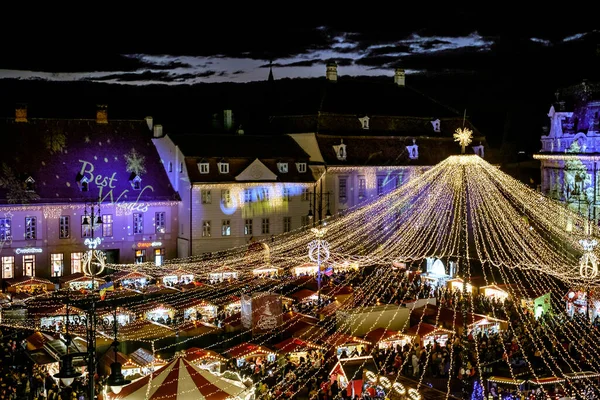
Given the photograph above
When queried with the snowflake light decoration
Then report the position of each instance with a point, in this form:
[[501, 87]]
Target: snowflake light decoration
[[135, 162], [463, 136]]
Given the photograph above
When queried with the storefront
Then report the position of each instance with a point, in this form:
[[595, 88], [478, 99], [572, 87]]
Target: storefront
[[384, 338], [295, 349], [149, 251], [250, 353], [494, 292], [346, 346]]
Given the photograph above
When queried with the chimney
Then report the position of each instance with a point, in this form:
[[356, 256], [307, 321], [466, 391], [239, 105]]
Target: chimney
[[331, 73], [158, 133], [227, 119], [21, 113], [150, 122], [399, 77], [102, 114]]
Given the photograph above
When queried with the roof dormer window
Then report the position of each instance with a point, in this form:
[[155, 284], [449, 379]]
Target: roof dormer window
[[203, 167], [413, 151], [223, 167], [84, 184], [301, 166], [136, 183], [282, 167], [340, 150], [364, 122], [478, 150], [436, 125], [30, 184]]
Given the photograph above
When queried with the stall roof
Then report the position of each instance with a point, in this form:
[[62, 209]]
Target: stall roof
[[144, 329], [338, 290], [248, 349], [28, 280], [424, 329], [37, 340], [353, 368], [381, 334], [195, 353], [142, 357], [292, 345], [78, 277], [302, 294], [506, 381], [550, 380], [339, 339], [118, 276], [582, 375]]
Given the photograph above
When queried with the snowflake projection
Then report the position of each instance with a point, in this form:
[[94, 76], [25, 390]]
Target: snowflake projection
[[107, 141], [105, 159], [87, 139], [116, 158], [17, 191], [463, 136], [135, 163], [55, 142]]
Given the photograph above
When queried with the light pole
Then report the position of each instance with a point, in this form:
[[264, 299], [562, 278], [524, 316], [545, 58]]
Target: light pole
[[465, 339], [315, 207], [116, 380], [321, 247]]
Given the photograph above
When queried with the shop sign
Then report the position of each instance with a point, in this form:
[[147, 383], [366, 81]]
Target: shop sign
[[28, 250], [144, 245]]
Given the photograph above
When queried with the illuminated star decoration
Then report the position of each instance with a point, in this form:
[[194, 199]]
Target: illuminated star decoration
[[135, 162], [463, 136]]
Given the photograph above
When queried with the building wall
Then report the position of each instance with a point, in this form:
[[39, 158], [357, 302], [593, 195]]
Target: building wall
[[120, 247]]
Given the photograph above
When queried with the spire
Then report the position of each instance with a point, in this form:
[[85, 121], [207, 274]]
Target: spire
[[271, 79]]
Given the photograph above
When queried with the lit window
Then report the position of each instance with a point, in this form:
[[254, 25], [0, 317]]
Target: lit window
[[301, 167], [140, 256], [30, 228], [136, 183], [247, 195], [362, 187], [30, 184], [64, 228], [86, 230], [226, 228], [29, 265], [380, 182], [305, 194], [226, 196], [206, 197], [206, 228], [107, 225], [159, 257], [56, 260], [282, 167], [287, 224], [203, 168], [265, 226], [223, 167], [264, 194], [180, 167], [8, 267], [248, 227], [160, 222], [84, 184], [286, 194], [5, 229], [138, 223], [170, 166], [343, 192], [76, 263]]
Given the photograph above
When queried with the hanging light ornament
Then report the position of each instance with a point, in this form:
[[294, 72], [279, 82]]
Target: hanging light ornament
[[464, 136], [588, 264]]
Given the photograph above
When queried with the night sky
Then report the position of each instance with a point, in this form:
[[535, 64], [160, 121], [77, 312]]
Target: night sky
[[503, 66]]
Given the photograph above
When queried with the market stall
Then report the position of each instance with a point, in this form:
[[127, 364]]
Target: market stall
[[146, 361], [199, 310], [308, 268], [496, 383], [429, 334], [222, 274], [577, 303], [135, 280], [351, 374], [124, 316], [494, 292], [266, 271], [29, 285], [537, 305], [345, 346], [160, 313], [249, 352], [54, 317], [295, 349], [177, 277], [551, 384], [206, 359], [458, 284], [79, 281], [436, 272], [385, 338]]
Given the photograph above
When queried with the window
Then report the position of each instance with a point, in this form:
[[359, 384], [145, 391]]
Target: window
[[206, 197], [5, 229], [264, 194], [63, 227], [248, 227], [226, 196], [223, 167], [76, 263], [138, 223], [343, 192], [140, 256], [136, 183], [400, 179], [265, 226], [380, 182], [305, 194], [57, 264], [362, 187], [206, 228], [8, 267], [180, 167], [301, 167], [226, 228], [30, 184], [107, 225], [30, 228], [287, 224], [282, 167], [304, 220], [86, 230], [84, 184], [286, 194], [160, 222], [247, 195], [29, 265], [159, 257], [203, 168], [170, 166]]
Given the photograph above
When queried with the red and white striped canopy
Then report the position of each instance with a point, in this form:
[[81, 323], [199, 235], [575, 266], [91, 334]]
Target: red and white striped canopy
[[180, 379]]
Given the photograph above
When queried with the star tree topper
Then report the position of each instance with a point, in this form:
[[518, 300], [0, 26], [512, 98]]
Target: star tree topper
[[463, 136]]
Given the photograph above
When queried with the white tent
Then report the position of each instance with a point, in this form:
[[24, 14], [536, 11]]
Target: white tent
[[181, 379]]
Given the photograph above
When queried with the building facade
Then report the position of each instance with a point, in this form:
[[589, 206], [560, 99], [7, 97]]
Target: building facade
[[570, 153], [235, 188], [57, 169]]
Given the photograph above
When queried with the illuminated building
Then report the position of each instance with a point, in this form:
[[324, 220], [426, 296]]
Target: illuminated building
[[235, 188], [52, 167], [570, 153]]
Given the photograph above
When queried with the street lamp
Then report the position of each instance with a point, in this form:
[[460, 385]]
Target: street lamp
[[67, 373], [465, 340], [315, 206], [321, 247], [116, 380]]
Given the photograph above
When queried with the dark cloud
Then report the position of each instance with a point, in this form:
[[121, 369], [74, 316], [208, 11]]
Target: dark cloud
[[239, 71], [167, 66], [303, 63], [378, 51], [151, 76], [430, 44]]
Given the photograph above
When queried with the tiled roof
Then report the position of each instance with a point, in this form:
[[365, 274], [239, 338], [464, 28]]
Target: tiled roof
[[54, 152]]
